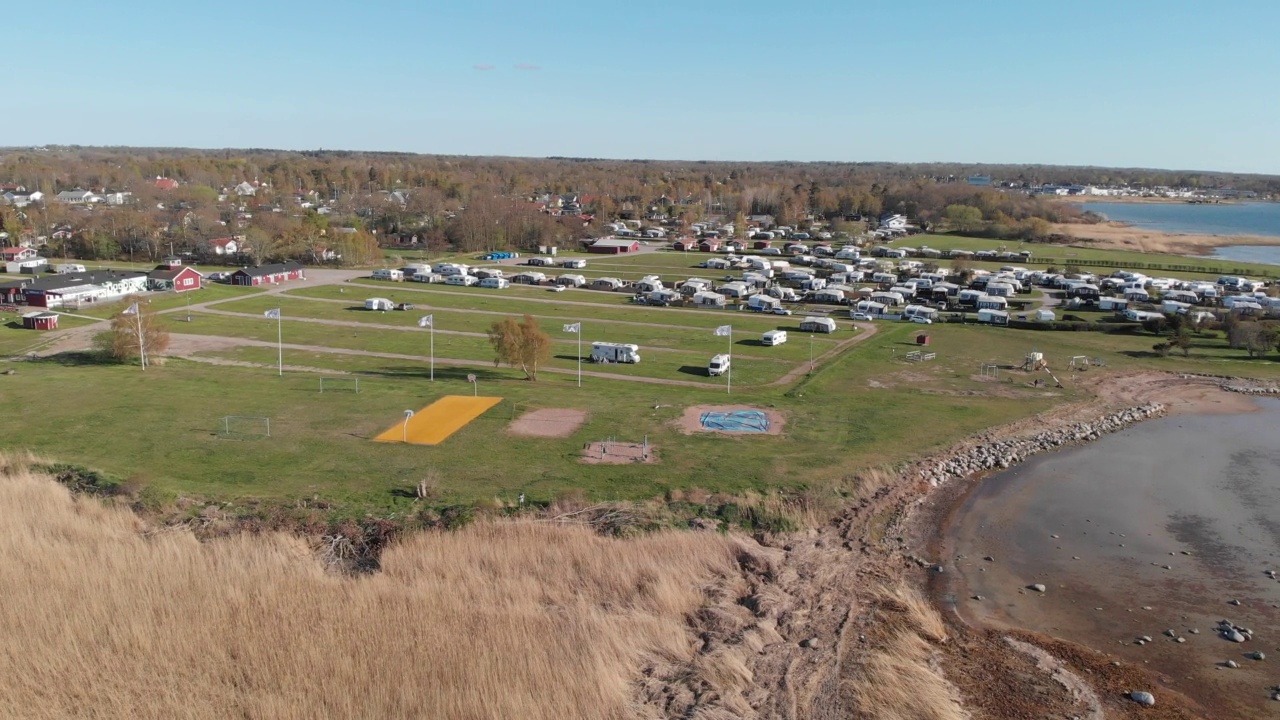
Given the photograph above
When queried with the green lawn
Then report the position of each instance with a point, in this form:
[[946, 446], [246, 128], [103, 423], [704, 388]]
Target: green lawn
[[682, 364], [673, 336], [17, 340]]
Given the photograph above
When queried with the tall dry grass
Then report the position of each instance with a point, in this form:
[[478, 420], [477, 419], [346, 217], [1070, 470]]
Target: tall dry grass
[[497, 621], [899, 679]]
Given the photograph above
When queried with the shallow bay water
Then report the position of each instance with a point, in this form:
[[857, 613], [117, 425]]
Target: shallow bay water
[[1158, 527]]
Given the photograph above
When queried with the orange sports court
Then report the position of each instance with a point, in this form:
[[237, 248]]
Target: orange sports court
[[436, 422]]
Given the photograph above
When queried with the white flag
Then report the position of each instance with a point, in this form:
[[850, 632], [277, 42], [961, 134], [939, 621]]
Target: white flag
[[573, 328], [426, 320], [131, 310], [274, 314], [724, 331]]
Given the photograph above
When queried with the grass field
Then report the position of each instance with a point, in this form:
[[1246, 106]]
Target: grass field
[[862, 408]]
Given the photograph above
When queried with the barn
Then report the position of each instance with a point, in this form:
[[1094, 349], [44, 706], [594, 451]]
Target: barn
[[268, 274], [614, 246], [684, 245], [709, 245], [178, 279], [40, 321]]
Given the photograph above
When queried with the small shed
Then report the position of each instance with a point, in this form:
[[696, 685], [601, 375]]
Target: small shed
[[40, 321]]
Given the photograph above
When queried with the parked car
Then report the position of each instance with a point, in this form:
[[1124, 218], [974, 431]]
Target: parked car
[[862, 316], [921, 320], [556, 288], [404, 306], [781, 311]]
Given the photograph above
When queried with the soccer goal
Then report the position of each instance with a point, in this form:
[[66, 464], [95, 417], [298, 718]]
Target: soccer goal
[[340, 384], [244, 427]]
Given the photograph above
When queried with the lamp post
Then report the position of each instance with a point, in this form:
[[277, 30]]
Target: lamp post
[[810, 354], [404, 435]]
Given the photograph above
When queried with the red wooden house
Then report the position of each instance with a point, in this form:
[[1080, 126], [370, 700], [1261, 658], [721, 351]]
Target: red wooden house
[[268, 274], [178, 279]]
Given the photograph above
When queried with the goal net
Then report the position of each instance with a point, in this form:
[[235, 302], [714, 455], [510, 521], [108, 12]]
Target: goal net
[[244, 427], [340, 384]]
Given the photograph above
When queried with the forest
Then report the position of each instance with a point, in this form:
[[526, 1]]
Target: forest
[[326, 205]]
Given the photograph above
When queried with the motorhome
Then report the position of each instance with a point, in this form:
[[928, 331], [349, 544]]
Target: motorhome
[[719, 365], [606, 352]]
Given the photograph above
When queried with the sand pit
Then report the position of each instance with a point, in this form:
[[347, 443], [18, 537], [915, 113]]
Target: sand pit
[[548, 422], [618, 453], [731, 420]]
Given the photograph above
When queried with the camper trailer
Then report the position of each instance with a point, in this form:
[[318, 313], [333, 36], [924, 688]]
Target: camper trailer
[[463, 280], [387, 274], [378, 304], [495, 283], [818, 325], [719, 365], [606, 352], [774, 337]]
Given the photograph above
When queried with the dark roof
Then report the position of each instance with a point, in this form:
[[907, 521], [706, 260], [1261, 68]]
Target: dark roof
[[97, 277], [164, 272], [271, 269]]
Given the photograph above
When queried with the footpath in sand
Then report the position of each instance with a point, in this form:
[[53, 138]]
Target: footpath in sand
[[436, 422]]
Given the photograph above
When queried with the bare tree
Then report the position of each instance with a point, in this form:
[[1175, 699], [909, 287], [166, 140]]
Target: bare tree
[[135, 332]]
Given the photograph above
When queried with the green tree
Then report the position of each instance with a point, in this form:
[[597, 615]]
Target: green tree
[[964, 218], [522, 344], [1182, 340]]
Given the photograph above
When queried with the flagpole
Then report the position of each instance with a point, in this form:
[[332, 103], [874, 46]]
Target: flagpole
[[728, 385], [280, 344], [579, 353], [433, 349], [142, 345]]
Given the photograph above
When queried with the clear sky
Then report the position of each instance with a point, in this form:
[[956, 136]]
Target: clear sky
[[1185, 84]]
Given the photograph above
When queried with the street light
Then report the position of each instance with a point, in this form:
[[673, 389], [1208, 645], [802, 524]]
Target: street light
[[810, 354], [405, 430]]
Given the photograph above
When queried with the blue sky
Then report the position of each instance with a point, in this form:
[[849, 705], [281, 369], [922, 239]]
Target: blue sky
[[1172, 84]]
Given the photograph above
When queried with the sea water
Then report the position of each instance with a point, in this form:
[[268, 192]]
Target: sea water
[[1158, 527]]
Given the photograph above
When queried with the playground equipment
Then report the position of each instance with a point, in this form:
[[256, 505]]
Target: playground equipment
[[1034, 361]]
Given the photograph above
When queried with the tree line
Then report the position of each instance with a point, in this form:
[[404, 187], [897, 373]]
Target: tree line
[[478, 203]]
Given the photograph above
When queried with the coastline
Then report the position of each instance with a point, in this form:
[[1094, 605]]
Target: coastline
[[928, 523], [1080, 199], [1115, 235]]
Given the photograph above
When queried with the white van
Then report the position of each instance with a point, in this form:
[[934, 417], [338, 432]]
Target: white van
[[774, 337], [719, 365]]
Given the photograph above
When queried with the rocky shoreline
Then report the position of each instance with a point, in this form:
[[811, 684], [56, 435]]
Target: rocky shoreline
[[1003, 454]]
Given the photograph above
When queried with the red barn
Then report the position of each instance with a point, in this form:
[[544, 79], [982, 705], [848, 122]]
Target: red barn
[[709, 245], [40, 321], [178, 279], [268, 274], [614, 246], [683, 245]]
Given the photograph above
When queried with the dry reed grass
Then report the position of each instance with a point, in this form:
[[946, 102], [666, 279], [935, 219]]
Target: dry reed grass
[[507, 620], [900, 679]]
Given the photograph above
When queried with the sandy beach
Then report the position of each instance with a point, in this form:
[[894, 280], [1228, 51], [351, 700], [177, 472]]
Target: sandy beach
[[1122, 236]]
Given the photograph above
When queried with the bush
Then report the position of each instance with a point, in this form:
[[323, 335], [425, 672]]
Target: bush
[[80, 479]]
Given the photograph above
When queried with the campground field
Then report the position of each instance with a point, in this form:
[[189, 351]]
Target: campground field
[[863, 406]]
